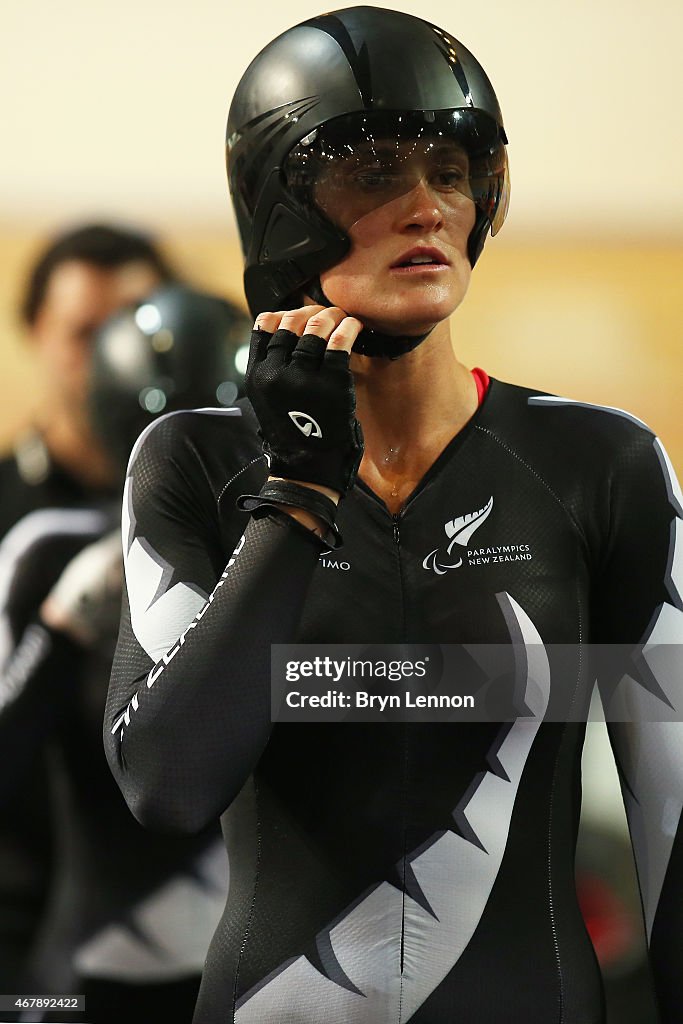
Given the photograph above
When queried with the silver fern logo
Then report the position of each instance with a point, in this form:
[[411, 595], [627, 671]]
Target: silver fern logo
[[458, 531]]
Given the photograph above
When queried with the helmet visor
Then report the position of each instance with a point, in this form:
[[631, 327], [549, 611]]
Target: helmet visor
[[359, 162]]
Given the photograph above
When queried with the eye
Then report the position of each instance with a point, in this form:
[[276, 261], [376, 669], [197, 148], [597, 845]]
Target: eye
[[449, 178], [375, 179]]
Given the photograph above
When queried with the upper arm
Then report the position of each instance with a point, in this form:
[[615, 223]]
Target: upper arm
[[172, 551]]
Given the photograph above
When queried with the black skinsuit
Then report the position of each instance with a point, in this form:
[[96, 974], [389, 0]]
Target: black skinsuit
[[129, 913], [385, 873], [29, 480]]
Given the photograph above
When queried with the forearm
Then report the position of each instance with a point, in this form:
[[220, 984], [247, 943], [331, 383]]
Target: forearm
[[183, 739]]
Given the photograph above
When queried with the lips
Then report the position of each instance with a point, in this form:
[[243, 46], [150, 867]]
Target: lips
[[420, 257]]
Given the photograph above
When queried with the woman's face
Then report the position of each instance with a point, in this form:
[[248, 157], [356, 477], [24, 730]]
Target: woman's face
[[408, 211]]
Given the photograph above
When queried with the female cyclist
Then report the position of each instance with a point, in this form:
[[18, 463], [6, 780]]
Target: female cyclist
[[391, 872]]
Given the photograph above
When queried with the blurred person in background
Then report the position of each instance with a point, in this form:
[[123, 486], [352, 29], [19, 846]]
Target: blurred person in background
[[78, 280], [83, 277], [130, 914]]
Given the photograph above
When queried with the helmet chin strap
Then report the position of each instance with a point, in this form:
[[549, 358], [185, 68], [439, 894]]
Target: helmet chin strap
[[368, 342]]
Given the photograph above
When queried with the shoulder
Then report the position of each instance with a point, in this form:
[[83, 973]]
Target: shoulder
[[187, 468], [197, 429], [40, 525], [203, 445], [593, 457], [520, 408], [567, 434], [35, 550]]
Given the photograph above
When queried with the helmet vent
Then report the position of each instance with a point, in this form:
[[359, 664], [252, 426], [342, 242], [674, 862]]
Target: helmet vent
[[359, 60], [450, 56], [285, 235]]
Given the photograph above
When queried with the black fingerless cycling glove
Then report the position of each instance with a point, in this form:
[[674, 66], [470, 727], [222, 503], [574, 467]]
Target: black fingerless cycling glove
[[304, 399]]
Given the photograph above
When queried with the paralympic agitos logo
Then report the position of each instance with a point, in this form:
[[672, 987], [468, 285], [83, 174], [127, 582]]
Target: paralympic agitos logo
[[458, 531]]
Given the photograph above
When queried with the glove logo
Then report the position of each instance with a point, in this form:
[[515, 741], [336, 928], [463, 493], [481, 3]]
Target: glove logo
[[458, 531], [305, 423]]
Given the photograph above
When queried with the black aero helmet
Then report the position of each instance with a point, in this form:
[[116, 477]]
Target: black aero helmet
[[179, 349], [317, 95]]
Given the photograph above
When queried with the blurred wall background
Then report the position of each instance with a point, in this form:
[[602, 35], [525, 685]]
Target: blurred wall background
[[119, 111]]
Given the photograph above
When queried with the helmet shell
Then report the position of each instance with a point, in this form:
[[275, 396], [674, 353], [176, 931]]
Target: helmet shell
[[357, 59], [176, 350]]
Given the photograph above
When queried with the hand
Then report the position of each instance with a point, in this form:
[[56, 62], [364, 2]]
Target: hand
[[300, 385], [85, 602]]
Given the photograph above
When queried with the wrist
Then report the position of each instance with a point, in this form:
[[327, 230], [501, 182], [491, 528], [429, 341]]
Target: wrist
[[333, 495], [310, 506], [306, 518]]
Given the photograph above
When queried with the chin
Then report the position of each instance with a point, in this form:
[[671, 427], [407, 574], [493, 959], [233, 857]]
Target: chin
[[408, 311], [411, 317], [400, 327]]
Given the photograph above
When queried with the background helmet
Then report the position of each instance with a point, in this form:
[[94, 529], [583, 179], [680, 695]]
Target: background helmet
[[332, 82], [179, 349]]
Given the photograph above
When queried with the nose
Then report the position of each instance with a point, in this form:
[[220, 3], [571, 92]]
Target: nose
[[420, 210]]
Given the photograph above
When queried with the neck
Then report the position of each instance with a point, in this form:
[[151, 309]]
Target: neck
[[72, 446], [410, 408], [406, 401]]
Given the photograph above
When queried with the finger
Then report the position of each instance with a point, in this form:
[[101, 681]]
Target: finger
[[258, 346], [268, 322], [296, 319], [310, 350], [280, 347], [343, 337], [324, 321]]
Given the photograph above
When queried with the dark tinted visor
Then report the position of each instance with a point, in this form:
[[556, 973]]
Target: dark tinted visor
[[356, 163]]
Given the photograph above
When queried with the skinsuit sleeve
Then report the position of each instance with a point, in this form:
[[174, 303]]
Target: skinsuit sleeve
[[38, 665], [188, 711], [638, 601]]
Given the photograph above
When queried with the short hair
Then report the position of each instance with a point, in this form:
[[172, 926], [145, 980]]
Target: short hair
[[102, 245]]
